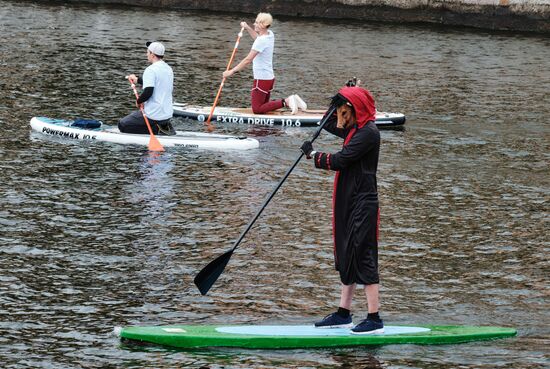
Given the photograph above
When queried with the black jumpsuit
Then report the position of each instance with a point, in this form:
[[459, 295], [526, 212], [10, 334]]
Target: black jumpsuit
[[355, 202]]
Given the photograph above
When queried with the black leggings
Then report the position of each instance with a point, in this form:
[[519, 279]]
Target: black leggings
[[134, 123]]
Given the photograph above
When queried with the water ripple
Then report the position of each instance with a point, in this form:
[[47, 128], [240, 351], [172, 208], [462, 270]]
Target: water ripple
[[97, 235]]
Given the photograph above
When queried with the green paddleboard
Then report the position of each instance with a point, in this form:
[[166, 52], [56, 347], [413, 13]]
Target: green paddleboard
[[304, 336]]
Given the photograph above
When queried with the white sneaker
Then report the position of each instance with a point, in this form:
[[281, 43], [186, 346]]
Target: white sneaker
[[300, 103], [292, 104]]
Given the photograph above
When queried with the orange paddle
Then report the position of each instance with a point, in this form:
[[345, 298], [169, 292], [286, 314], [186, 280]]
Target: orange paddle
[[154, 143], [210, 126]]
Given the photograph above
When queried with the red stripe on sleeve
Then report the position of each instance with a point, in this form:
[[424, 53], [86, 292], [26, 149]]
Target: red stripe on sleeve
[[378, 225]]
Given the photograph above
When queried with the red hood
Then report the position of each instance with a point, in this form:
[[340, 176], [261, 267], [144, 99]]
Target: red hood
[[362, 102]]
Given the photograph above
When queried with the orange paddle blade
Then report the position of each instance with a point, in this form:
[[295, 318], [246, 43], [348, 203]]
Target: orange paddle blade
[[154, 144]]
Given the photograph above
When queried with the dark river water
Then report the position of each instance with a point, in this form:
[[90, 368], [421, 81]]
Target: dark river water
[[95, 236]]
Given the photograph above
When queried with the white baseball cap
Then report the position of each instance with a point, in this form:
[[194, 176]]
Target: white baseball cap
[[155, 47]]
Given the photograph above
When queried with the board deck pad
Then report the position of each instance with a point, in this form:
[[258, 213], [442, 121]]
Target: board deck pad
[[248, 111], [308, 330], [305, 336]]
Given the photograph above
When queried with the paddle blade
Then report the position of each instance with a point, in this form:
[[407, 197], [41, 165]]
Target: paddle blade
[[210, 273], [154, 144]]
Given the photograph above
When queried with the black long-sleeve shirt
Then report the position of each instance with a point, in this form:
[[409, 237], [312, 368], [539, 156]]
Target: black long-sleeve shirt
[[145, 94]]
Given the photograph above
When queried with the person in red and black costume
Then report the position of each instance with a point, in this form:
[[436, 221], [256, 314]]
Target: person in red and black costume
[[355, 205]]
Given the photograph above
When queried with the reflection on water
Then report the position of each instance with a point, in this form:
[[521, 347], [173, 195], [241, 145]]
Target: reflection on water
[[95, 235], [154, 189]]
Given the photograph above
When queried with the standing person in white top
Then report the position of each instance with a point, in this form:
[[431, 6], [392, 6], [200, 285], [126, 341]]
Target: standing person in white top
[[156, 97], [261, 56]]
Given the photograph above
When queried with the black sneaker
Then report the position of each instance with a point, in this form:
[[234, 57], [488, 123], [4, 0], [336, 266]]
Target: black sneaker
[[368, 326], [334, 321]]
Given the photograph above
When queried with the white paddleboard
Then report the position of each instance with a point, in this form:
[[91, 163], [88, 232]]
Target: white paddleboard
[[280, 117], [189, 140]]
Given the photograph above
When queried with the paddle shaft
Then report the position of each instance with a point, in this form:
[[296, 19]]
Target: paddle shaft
[[212, 271], [141, 108], [330, 111], [224, 78]]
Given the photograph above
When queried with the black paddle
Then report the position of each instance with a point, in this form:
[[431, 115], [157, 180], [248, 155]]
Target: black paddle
[[210, 273]]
